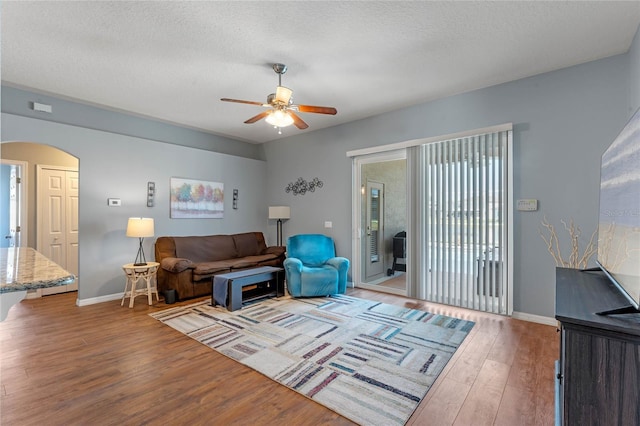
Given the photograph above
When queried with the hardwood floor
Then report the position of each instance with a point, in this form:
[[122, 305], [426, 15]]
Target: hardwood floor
[[109, 365]]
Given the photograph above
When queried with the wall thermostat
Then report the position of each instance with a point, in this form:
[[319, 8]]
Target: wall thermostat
[[528, 205]]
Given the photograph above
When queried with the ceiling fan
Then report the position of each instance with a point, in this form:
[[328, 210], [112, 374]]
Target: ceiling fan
[[282, 110]]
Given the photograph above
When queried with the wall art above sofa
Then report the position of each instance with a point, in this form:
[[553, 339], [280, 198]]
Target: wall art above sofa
[[196, 199]]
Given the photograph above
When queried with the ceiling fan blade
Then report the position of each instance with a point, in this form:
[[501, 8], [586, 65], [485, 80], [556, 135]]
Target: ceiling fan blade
[[257, 117], [297, 121], [317, 109], [283, 94], [243, 102]]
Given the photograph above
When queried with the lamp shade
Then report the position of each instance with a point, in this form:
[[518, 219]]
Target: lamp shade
[[283, 94], [279, 212], [140, 227]]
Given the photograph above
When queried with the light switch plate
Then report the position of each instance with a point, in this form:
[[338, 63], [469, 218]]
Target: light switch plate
[[528, 205]]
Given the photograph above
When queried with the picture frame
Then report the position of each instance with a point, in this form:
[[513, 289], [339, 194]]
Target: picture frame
[[196, 199]]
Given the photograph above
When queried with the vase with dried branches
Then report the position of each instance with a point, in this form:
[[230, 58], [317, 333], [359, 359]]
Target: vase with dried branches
[[576, 259]]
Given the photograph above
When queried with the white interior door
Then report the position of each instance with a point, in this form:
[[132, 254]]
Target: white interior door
[[72, 221], [51, 208], [57, 218]]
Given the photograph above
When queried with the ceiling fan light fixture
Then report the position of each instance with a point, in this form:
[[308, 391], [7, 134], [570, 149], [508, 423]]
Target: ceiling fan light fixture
[[279, 118]]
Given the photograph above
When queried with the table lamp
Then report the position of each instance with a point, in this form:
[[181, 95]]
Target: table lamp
[[140, 227], [279, 212]]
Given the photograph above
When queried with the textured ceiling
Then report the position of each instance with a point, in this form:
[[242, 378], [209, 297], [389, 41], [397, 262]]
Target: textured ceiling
[[174, 60]]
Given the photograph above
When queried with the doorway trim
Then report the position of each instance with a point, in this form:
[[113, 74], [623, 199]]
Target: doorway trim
[[22, 203], [356, 207]]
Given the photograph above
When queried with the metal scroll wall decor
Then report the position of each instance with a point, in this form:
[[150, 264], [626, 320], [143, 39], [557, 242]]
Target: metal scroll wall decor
[[301, 186]]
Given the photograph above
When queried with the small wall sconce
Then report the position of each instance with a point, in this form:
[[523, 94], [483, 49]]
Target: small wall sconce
[[151, 192]]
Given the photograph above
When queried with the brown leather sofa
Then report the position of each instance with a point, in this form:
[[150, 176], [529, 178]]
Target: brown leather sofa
[[188, 264]]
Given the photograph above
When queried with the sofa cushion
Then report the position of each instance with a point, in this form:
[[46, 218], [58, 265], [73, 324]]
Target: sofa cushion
[[206, 248], [243, 262], [205, 268], [246, 244]]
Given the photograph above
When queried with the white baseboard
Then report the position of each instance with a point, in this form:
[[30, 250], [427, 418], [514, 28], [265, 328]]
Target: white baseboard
[[99, 299], [535, 318]]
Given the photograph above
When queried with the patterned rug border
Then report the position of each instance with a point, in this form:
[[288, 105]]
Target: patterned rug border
[[325, 373]]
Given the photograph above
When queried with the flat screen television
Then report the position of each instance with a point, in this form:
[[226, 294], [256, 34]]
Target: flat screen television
[[619, 223]]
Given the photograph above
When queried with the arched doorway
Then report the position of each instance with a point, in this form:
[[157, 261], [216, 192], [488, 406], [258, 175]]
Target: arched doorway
[[49, 190]]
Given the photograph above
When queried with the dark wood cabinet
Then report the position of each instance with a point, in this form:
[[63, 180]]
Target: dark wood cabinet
[[599, 367]]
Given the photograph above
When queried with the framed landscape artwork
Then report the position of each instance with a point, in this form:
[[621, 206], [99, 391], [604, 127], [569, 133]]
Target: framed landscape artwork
[[196, 199]]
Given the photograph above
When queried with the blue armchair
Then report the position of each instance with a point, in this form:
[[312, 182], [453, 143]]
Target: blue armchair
[[312, 268]]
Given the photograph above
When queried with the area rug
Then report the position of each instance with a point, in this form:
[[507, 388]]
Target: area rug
[[368, 361]]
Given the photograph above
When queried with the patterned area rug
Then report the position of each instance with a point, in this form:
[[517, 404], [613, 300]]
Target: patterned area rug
[[368, 361]]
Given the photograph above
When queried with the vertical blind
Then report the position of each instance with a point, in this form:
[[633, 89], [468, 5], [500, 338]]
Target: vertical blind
[[463, 235]]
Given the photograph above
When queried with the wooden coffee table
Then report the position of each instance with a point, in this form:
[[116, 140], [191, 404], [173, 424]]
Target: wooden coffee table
[[269, 282]]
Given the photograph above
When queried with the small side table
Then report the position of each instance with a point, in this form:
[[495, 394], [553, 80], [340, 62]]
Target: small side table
[[136, 273]]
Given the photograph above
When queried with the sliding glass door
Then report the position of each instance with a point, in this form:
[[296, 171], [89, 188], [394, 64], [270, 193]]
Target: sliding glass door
[[458, 240]]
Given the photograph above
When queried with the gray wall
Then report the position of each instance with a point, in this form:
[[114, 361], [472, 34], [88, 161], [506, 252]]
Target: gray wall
[[563, 121], [118, 166]]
